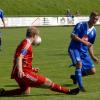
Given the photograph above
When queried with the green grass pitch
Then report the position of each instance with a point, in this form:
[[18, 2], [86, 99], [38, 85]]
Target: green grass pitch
[[52, 59], [48, 7]]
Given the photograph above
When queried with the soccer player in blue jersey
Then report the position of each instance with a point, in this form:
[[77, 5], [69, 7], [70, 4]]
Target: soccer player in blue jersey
[[2, 18], [81, 49]]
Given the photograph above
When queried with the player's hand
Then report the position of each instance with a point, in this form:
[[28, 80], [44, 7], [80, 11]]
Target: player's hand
[[36, 70], [21, 74], [87, 43], [96, 60]]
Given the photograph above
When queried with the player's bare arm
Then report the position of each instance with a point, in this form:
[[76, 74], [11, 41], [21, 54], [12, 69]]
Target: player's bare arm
[[19, 65], [76, 38], [91, 52]]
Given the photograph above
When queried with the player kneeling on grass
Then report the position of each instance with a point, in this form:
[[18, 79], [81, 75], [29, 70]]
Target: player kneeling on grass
[[23, 73]]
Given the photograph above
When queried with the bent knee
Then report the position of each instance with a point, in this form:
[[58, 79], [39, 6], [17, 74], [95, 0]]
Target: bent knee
[[48, 82], [93, 71], [27, 91]]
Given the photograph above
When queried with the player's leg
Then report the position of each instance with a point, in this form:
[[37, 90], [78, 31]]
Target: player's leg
[[84, 73], [36, 80], [12, 92], [75, 57], [23, 89], [27, 91], [88, 67], [92, 71], [55, 87], [71, 54], [58, 88]]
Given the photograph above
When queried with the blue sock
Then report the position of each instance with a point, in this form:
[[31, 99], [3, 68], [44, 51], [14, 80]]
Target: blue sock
[[78, 76]]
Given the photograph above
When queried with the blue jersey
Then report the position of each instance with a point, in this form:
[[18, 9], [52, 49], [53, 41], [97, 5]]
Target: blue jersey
[[1, 14], [83, 31]]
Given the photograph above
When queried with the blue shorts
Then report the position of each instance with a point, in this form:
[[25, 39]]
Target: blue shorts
[[85, 58]]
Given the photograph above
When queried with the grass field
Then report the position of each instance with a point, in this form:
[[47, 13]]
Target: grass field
[[47, 7], [52, 59]]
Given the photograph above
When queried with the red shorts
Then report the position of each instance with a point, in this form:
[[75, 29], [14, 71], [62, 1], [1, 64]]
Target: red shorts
[[30, 79]]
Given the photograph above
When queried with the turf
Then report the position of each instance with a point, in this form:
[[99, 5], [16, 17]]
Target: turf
[[52, 59], [47, 7]]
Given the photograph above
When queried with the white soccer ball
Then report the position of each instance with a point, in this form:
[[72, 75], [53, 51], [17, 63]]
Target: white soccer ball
[[37, 40]]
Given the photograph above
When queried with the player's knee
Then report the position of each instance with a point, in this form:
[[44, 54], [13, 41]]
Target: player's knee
[[47, 82], [93, 71], [27, 91], [79, 65]]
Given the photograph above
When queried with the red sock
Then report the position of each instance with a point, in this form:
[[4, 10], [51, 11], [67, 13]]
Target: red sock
[[58, 88]]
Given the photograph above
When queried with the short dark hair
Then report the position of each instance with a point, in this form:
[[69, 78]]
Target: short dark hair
[[94, 13]]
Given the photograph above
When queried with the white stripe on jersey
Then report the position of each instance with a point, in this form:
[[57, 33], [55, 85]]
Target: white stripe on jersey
[[28, 44], [31, 78], [24, 50], [89, 30]]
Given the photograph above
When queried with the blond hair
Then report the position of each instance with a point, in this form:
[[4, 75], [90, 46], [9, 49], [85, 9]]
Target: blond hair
[[32, 31]]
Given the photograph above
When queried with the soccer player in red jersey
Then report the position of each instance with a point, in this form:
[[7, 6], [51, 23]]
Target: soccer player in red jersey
[[23, 72]]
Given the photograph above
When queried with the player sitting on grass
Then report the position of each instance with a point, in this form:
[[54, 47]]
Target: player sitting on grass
[[23, 73]]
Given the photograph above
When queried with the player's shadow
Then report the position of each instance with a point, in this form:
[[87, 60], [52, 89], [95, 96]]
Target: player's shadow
[[68, 85], [53, 94], [11, 85], [44, 87]]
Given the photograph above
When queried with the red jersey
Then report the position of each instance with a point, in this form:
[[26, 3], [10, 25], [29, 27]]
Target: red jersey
[[24, 48]]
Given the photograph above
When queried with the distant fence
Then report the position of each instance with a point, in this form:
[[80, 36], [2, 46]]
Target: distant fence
[[43, 21]]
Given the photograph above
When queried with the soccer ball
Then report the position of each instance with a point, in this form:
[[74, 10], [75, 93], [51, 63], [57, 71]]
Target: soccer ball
[[37, 40]]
